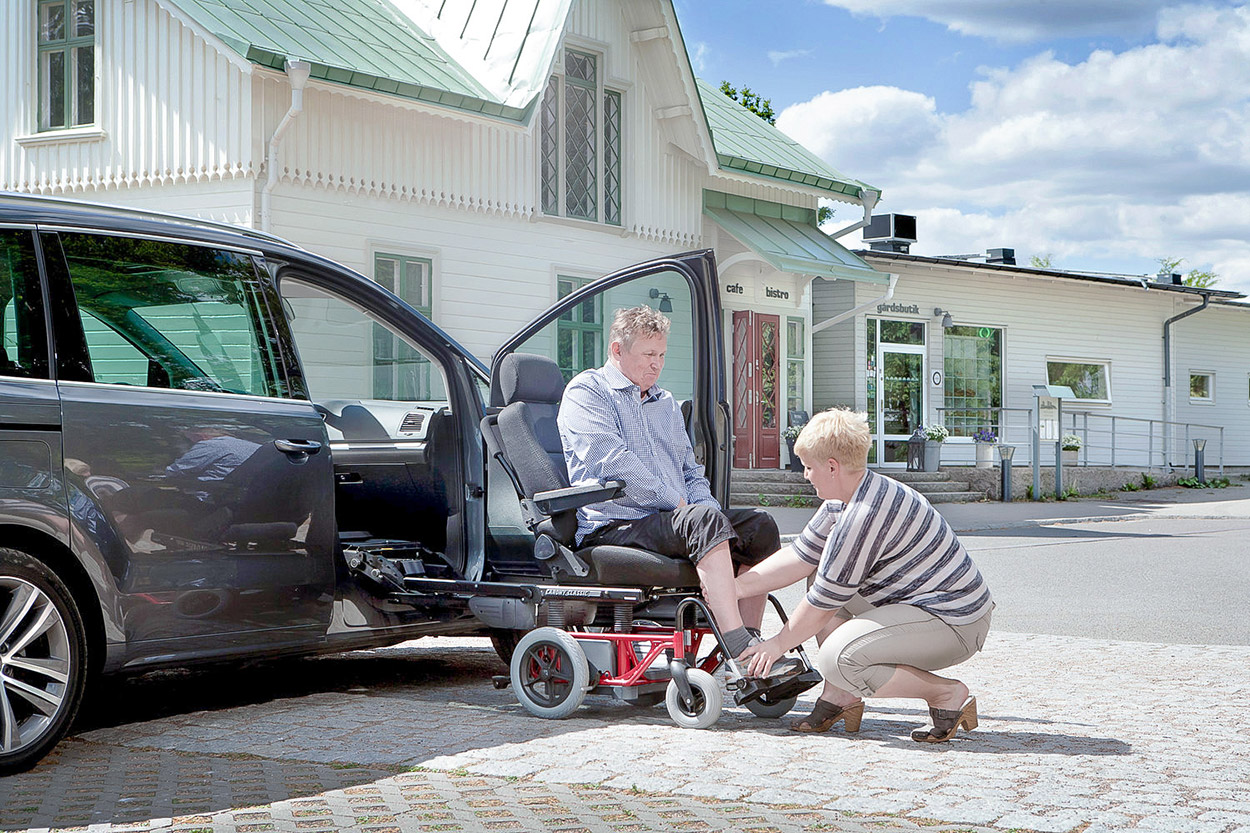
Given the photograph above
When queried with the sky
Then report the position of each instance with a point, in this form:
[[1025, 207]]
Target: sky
[[1105, 134]]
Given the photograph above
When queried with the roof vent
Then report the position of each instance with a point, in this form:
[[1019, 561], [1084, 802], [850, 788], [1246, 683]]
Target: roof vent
[[1007, 257], [891, 233], [412, 422], [1174, 278]]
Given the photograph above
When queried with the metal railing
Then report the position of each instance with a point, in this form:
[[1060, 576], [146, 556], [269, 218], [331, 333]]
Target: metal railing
[[1106, 439]]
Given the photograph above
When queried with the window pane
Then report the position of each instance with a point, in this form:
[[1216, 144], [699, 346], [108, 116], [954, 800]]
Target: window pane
[[612, 158], [52, 78], [579, 66], [347, 355], [52, 22], [84, 85], [902, 332], [84, 18], [384, 269], [1088, 381], [192, 316], [973, 370], [25, 351], [550, 156], [768, 375], [579, 152], [1199, 386], [795, 343]]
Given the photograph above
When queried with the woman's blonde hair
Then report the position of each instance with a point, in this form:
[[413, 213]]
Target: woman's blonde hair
[[836, 434]]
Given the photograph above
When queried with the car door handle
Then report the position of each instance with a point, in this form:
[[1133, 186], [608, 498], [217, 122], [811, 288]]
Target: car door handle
[[297, 446]]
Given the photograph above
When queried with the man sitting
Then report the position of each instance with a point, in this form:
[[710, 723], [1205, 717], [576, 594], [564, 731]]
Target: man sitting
[[617, 423]]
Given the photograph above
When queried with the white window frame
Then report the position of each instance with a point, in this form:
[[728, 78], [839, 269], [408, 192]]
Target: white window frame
[[1209, 399], [1104, 363], [602, 89], [68, 46]]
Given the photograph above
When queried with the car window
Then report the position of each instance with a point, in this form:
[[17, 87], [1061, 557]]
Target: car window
[[24, 338], [171, 315], [347, 354]]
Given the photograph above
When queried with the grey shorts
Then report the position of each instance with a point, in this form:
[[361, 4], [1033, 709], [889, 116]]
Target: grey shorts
[[862, 652], [694, 531]]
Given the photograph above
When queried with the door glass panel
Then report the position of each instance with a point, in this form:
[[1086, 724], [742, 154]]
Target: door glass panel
[[901, 392], [347, 354], [902, 332], [870, 379], [768, 374], [169, 315], [24, 336]]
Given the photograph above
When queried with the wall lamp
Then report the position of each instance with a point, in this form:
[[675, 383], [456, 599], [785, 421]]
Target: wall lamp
[[947, 321], [666, 303]]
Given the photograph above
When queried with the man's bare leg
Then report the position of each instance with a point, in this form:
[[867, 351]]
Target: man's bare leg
[[716, 575]]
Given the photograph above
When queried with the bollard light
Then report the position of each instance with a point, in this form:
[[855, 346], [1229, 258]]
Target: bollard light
[[1005, 453], [1200, 447]]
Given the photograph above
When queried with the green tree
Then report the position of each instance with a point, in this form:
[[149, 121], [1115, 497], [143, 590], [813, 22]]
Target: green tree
[[762, 107], [1196, 277], [1046, 260]]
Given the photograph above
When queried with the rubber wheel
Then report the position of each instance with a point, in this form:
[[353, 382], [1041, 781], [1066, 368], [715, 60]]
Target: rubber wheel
[[504, 642], [762, 706], [550, 674], [43, 660], [708, 700]]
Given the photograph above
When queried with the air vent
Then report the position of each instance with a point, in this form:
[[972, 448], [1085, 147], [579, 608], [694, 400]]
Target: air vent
[[413, 422]]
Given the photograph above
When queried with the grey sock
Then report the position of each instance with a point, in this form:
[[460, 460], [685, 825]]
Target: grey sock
[[737, 640]]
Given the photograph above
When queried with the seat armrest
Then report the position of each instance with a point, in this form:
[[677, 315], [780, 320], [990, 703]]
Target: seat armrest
[[575, 497]]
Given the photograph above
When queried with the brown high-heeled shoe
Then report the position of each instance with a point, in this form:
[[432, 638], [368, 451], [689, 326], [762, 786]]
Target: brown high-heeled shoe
[[946, 723], [825, 714]]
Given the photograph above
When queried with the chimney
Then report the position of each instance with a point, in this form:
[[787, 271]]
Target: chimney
[[891, 233], [1007, 257]]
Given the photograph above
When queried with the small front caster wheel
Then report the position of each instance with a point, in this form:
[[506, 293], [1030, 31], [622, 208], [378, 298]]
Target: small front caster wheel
[[706, 708], [550, 674]]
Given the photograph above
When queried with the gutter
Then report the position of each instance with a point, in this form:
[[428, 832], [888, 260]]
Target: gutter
[[1168, 394], [297, 71]]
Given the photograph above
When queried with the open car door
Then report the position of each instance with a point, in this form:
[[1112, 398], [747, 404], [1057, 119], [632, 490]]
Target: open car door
[[574, 332]]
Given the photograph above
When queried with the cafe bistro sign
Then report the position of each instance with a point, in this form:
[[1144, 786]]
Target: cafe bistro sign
[[769, 291]]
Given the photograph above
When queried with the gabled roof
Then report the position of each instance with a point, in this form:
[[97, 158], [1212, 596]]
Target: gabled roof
[[745, 142]]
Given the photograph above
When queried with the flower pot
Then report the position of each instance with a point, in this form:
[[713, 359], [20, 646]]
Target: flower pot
[[932, 455], [795, 463], [985, 455], [1069, 456]]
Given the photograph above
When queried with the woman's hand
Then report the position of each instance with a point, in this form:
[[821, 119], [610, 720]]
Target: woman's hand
[[758, 659]]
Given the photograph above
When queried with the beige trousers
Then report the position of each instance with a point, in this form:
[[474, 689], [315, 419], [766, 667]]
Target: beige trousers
[[862, 652]]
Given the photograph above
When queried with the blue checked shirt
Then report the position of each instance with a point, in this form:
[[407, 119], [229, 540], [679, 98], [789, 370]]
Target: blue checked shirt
[[609, 432]]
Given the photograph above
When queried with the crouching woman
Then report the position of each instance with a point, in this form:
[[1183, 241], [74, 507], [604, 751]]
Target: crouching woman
[[893, 595]]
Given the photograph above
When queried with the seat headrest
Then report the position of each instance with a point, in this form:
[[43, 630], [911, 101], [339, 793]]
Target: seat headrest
[[525, 377]]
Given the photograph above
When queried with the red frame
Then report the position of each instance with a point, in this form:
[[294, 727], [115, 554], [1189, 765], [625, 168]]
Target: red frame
[[631, 671]]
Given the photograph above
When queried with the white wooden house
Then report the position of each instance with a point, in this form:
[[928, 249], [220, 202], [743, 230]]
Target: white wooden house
[[481, 159]]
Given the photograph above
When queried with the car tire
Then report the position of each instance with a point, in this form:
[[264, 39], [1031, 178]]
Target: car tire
[[43, 660], [504, 642]]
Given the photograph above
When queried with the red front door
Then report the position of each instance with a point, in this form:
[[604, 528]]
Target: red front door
[[757, 391]]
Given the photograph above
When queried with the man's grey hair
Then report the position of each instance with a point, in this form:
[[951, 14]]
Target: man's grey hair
[[637, 322]]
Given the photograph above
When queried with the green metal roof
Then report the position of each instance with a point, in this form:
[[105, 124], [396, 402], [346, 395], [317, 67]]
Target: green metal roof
[[787, 238], [745, 142], [373, 45]]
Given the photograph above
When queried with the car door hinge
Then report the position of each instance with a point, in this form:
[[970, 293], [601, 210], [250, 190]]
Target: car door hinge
[[474, 491]]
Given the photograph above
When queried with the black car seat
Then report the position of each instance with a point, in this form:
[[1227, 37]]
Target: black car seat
[[524, 438]]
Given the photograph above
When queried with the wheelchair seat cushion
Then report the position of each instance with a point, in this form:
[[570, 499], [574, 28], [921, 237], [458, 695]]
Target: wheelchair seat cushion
[[634, 567]]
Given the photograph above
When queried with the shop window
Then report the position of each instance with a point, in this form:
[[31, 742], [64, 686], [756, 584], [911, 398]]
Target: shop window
[[579, 334], [580, 143], [1202, 387], [1090, 380], [796, 354], [973, 369], [66, 46], [870, 379], [400, 373]]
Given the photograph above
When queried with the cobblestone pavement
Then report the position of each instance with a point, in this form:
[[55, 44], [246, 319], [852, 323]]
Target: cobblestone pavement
[[1075, 735]]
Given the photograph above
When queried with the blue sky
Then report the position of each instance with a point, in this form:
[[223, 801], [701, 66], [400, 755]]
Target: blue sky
[[1105, 133]]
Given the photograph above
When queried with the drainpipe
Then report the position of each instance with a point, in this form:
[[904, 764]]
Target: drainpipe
[[851, 313], [297, 71], [869, 200], [1167, 372]]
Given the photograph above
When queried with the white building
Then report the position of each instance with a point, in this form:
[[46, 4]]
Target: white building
[[481, 159]]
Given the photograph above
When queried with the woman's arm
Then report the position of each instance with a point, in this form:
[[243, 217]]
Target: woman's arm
[[781, 569]]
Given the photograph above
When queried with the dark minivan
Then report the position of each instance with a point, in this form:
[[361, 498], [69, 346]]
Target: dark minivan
[[215, 445]]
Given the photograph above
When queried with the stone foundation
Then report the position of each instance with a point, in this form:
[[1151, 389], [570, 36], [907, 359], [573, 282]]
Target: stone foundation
[[1086, 480]]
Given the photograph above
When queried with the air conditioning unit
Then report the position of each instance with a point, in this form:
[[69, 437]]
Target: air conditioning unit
[[894, 227]]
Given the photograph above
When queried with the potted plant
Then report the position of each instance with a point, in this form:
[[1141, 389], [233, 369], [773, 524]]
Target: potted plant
[[934, 436], [790, 435], [985, 440], [1070, 445]]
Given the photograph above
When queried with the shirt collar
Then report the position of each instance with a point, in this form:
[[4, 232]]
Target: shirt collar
[[619, 381]]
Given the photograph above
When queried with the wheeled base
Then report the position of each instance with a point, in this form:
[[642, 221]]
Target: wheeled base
[[552, 670]]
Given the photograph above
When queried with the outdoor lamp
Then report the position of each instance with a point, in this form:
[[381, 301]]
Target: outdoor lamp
[[915, 450], [666, 303], [947, 321], [1200, 447], [1005, 453]]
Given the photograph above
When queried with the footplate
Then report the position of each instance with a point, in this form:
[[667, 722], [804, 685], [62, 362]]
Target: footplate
[[752, 688]]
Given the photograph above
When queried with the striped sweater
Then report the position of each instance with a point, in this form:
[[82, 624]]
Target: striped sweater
[[890, 546]]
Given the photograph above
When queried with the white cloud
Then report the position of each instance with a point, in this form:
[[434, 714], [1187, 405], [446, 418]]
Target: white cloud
[[1021, 20], [777, 57], [1122, 158], [698, 56]]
